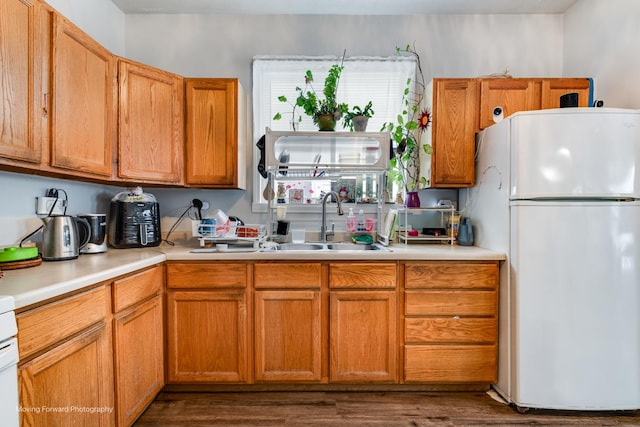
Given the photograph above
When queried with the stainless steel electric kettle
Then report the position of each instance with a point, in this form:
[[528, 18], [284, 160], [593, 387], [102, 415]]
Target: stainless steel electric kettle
[[60, 237]]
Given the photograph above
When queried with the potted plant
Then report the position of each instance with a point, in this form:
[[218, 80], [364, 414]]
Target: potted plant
[[356, 119], [404, 166], [325, 111]]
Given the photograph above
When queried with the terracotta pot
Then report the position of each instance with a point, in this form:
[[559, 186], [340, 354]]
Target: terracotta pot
[[326, 122]]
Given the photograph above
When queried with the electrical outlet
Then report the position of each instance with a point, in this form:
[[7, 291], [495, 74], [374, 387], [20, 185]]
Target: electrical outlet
[[44, 204]]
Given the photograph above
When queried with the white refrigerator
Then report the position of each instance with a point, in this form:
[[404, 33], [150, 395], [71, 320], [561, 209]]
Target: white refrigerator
[[558, 191]]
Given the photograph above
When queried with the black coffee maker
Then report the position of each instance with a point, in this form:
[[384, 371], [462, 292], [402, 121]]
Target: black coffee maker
[[97, 233], [134, 220]]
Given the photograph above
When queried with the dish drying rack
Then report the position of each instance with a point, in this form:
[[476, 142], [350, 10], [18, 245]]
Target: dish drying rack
[[246, 235]]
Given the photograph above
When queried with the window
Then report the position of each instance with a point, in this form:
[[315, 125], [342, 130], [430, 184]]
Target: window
[[364, 79]]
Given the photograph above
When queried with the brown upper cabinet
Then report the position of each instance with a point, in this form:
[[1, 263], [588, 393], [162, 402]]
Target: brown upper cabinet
[[454, 109], [24, 60], [553, 89], [216, 133], [150, 124], [462, 107], [524, 94], [84, 103], [511, 94]]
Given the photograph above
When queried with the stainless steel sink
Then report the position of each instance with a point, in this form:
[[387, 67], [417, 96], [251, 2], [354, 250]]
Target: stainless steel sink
[[355, 247], [331, 247], [300, 247]]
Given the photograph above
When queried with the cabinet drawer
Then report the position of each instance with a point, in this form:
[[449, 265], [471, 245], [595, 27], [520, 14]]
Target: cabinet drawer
[[287, 275], [451, 303], [207, 275], [137, 287], [450, 330], [450, 364], [363, 275], [462, 275], [43, 326]]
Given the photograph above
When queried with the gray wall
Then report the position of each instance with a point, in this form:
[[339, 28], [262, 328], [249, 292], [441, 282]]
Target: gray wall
[[449, 46], [594, 38], [602, 40]]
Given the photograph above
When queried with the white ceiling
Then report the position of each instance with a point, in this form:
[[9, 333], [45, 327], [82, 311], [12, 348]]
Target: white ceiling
[[345, 7]]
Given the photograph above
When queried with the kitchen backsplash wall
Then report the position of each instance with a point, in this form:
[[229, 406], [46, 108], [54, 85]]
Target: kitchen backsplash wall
[[18, 193], [591, 39]]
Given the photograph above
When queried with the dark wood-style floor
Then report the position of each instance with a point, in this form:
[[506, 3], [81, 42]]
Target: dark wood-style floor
[[376, 409]]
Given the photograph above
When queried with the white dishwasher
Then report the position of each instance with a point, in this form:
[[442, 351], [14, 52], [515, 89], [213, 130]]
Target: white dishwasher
[[9, 410]]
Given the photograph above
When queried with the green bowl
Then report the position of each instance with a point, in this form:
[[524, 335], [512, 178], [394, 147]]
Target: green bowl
[[13, 253]]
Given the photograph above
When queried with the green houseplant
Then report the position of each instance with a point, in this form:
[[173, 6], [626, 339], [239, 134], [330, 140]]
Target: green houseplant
[[324, 110], [356, 118], [411, 122]]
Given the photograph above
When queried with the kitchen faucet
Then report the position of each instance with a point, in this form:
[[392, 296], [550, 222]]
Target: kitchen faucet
[[324, 234]]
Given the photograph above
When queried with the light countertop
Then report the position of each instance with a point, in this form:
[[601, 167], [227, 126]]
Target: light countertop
[[51, 279]]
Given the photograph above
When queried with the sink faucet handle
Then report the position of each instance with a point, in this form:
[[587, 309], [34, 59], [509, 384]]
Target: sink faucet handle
[[330, 233]]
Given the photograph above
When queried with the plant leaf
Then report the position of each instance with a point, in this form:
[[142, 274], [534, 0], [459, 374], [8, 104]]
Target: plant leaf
[[278, 116]]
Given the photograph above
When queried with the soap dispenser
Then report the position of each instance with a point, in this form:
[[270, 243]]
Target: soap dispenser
[[360, 222], [465, 233], [351, 221]]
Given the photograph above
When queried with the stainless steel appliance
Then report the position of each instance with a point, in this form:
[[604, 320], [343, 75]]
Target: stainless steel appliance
[[98, 233], [134, 220], [9, 405], [61, 238]]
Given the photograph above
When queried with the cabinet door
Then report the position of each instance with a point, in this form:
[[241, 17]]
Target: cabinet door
[[73, 376], [512, 95], [139, 358], [84, 103], [453, 133], [23, 59], [216, 133], [207, 336], [288, 336], [553, 89], [150, 136], [363, 336]]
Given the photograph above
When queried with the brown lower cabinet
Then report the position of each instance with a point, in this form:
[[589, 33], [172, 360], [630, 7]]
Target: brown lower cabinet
[[431, 322], [94, 358], [207, 322], [324, 322], [289, 335], [363, 320], [138, 342], [450, 322], [66, 363]]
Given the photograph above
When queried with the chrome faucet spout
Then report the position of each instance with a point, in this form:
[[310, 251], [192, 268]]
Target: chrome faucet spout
[[323, 231]]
